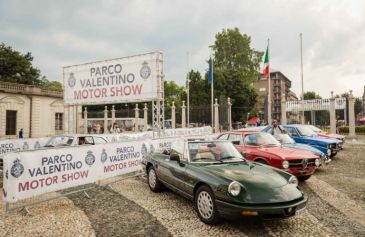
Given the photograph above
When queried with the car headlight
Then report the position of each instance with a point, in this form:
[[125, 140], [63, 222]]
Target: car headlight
[[329, 146], [329, 152], [285, 164], [234, 188], [316, 162], [293, 180]]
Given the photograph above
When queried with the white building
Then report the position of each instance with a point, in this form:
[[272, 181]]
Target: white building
[[40, 112]]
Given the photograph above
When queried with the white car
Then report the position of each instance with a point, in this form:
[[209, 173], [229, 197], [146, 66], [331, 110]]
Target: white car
[[75, 140]]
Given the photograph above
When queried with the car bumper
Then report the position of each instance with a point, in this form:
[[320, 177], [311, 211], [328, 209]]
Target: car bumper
[[264, 211]]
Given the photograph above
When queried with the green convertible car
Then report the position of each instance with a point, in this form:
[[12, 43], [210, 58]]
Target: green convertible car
[[221, 183]]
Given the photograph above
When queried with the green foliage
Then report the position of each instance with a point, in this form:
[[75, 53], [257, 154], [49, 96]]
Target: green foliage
[[236, 67], [17, 68], [51, 85], [358, 129], [199, 89], [358, 106], [174, 93], [311, 95]]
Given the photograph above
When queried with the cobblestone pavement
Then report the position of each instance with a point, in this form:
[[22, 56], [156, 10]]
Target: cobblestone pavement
[[336, 207]]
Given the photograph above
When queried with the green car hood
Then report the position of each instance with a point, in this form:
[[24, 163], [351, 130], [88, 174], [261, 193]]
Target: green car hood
[[262, 184]]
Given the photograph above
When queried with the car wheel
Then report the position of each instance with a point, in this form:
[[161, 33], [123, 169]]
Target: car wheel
[[303, 178], [206, 206], [153, 182], [261, 161]]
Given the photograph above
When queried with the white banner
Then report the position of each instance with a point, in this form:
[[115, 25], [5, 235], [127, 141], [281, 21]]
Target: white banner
[[188, 131], [123, 80], [31, 173], [13, 145]]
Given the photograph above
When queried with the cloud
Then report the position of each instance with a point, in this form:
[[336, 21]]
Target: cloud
[[73, 32]]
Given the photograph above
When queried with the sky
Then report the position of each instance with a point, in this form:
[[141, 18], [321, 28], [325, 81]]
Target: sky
[[63, 33]]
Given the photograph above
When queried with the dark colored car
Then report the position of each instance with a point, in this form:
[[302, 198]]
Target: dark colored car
[[264, 148], [302, 134], [222, 183]]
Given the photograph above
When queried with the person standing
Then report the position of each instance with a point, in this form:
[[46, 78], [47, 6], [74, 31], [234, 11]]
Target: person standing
[[276, 129], [21, 134], [258, 122]]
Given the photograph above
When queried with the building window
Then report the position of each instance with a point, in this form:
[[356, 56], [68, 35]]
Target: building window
[[59, 121], [10, 122]]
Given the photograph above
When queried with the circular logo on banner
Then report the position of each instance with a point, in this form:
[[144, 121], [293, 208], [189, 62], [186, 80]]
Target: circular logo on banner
[[90, 158], [71, 80], [25, 146], [145, 71], [37, 145], [17, 169], [103, 156], [144, 150], [152, 149]]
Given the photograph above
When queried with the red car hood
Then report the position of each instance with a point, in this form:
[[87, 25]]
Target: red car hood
[[330, 135], [288, 153]]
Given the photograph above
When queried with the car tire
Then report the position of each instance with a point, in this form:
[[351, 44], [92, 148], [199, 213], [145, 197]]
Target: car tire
[[152, 179], [303, 178], [206, 206]]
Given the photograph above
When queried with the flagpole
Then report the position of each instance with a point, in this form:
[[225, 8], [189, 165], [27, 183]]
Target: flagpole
[[301, 72], [188, 89], [212, 95], [269, 86]]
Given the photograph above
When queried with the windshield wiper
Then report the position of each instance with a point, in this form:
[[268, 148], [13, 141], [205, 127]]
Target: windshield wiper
[[48, 146]]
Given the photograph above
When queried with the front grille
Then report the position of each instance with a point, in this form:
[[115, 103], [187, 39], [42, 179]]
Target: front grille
[[301, 163]]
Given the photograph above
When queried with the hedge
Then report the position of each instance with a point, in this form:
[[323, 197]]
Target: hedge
[[358, 129]]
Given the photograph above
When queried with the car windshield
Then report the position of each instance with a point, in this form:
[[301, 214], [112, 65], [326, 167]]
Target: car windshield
[[59, 141], [213, 152], [314, 128], [261, 139], [284, 139], [305, 131]]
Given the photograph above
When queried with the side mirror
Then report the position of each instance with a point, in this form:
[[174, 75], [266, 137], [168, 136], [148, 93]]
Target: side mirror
[[243, 154], [175, 157], [236, 142]]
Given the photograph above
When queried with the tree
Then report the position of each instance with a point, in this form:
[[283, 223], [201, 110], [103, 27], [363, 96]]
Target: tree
[[51, 85], [17, 68], [236, 67], [199, 89], [311, 95]]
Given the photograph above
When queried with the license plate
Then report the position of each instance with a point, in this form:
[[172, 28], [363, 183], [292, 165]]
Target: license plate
[[300, 212]]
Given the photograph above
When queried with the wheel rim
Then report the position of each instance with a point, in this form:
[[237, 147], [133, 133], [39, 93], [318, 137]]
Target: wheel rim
[[205, 204], [152, 178]]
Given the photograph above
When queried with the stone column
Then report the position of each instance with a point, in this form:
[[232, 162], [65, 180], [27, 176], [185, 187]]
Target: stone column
[[145, 117], [65, 119], [352, 133], [332, 113], [229, 114], [216, 116], [113, 115], [173, 115], [136, 118], [71, 119], [106, 120], [85, 120], [78, 118], [183, 116], [283, 110]]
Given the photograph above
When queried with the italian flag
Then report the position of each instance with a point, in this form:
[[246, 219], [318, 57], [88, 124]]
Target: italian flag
[[265, 71]]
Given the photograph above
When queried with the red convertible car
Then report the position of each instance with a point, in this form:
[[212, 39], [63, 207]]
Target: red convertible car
[[264, 148]]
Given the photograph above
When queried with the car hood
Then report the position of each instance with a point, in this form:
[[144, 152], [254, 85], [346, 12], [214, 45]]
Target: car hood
[[262, 183], [319, 139], [287, 153], [304, 147], [330, 135]]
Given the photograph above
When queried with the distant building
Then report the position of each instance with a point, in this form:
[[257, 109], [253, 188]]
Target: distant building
[[38, 111], [280, 84]]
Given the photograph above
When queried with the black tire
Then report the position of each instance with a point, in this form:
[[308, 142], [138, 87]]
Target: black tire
[[261, 161], [152, 179], [303, 178], [205, 205]]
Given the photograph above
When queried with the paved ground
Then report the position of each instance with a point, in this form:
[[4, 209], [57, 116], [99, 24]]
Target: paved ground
[[336, 208]]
